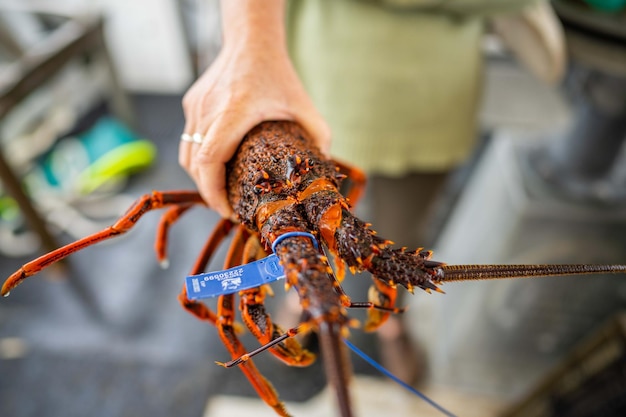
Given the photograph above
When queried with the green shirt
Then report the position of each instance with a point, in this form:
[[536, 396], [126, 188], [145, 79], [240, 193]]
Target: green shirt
[[398, 81]]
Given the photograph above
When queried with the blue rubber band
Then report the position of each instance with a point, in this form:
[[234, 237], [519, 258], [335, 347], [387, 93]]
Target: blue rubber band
[[294, 234]]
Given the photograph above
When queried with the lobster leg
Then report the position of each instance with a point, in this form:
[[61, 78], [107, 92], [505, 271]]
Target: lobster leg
[[280, 339], [259, 322], [382, 294], [357, 180], [147, 202], [197, 309], [169, 218], [382, 298], [227, 332]]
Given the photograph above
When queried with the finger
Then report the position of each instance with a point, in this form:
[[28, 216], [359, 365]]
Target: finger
[[187, 150], [224, 136], [212, 186], [185, 147], [184, 154]]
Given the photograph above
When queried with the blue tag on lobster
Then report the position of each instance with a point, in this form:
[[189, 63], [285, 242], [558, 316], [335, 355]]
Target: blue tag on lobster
[[228, 281], [243, 277]]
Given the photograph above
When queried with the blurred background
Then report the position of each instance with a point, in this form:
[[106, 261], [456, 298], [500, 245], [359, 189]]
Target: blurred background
[[90, 119]]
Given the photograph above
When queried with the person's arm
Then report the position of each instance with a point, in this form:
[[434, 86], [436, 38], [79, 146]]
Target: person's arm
[[252, 80]]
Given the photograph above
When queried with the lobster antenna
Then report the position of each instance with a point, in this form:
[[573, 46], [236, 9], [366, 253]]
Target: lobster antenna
[[479, 272]]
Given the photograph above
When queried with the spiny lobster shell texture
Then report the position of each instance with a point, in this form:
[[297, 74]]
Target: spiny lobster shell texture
[[269, 147]]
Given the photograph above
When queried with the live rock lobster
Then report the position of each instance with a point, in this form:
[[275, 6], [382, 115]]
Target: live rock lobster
[[279, 182]]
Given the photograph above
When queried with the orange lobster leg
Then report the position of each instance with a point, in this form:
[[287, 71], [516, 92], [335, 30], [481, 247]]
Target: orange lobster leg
[[357, 182], [258, 321], [381, 304], [147, 202], [167, 220], [261, 326], [198, 309], [381, 294], [227, 331]]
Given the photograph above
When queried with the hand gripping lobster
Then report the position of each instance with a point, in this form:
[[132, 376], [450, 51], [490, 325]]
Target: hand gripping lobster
[[278, 183]]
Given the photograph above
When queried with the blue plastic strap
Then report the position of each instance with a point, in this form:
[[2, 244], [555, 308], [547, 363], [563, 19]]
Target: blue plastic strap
[[232, 280], [243, 277]]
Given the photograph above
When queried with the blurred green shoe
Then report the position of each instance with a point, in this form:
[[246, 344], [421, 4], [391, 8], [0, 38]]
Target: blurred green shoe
[[94, 160]]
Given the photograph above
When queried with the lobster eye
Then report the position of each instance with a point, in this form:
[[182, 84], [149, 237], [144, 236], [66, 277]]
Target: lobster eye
[[297, 167], [263, 183]]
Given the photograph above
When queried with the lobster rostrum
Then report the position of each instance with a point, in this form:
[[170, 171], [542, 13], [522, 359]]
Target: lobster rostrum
[[279, 183]]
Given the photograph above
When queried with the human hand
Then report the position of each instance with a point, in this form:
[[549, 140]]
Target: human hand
[[245, 86]]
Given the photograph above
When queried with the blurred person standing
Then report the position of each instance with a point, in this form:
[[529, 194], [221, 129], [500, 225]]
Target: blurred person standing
[[397, 82]]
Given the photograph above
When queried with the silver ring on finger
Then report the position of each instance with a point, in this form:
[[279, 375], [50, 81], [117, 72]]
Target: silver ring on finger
[[186, 137], [197, 137]]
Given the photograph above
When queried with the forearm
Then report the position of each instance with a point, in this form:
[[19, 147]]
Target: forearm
[[254, 23], [251, 80]]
